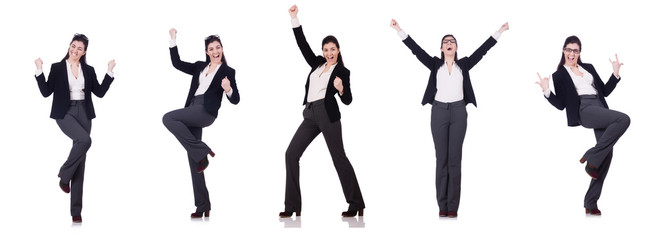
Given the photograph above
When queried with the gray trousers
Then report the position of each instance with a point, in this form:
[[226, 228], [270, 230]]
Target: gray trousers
[[448, 128], [76, 126], [609, 126], [186, 125], [315, 121]]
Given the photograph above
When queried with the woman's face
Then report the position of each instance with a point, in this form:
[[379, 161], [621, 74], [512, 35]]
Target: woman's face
[[76, 50], [449, 47], [571, 52], [331, 51], [215, 52]]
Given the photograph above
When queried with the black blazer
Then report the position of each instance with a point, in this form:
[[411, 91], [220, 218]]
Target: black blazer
[[58, 85], [214, 95], [566, 96], [340, 71], [465, 64]]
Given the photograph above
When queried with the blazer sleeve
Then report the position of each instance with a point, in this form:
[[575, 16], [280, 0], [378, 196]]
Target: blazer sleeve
[[422, 56], [607, 88], [480, 52], [186, 67], [235, 98], [346, 98], [557, 99], [46, 88], [610, 85], [304, 46], [100, 89]]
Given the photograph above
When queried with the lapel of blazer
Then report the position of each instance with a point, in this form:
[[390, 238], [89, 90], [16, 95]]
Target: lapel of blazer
[[220, 73], [216, 78], [569, 83], [87, 74], [63, 75]]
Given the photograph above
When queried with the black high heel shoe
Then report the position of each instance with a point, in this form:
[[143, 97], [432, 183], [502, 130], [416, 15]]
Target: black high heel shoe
[[593, 211], [289, 214], [65, 187], [204, 163], [592, 171], [353, 213], [200, 214]]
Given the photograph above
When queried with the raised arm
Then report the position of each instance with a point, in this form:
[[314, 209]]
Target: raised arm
[[482, 50], [46, 88], [556, 101], [422, 56], [174, 55], [614, 78], [100, 89], [303, 45]]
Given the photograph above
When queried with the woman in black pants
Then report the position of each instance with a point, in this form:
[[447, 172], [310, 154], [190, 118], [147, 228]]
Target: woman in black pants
[[449, 90], [211, 80], [72, 82], [579, 89], [321, 115]]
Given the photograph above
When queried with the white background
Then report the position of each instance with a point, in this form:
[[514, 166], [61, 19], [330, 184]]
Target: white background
[[521, 176]]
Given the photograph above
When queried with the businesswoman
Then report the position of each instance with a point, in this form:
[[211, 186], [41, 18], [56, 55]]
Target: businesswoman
[[211, 80], [449, 90], [327, 77], [72, 82], [580, 91]]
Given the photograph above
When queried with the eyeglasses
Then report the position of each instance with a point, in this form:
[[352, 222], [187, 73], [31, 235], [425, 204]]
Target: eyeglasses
[[569, 50], [449, 41]]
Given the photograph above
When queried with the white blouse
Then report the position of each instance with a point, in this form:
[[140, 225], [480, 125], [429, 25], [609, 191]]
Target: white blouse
[[76, 85], [584, 84], [205, 79], [449, 86], [319, 83]]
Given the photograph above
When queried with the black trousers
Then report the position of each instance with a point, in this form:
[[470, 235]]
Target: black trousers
[[315, 121], [186, 125], [76, 126], [609, 125], [448, 128]]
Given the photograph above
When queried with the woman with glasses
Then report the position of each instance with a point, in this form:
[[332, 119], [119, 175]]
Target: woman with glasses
[[211, 80], [449, 90], [579, 89], [327, 77], [72, 82]]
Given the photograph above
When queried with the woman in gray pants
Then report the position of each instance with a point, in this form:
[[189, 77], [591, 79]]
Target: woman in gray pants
[[449, 91], [211, 80], [580, 91], [72, 82]]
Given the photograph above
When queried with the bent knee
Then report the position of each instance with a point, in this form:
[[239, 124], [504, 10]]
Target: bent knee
[[624, 119], [167, 119], [85, 142]]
